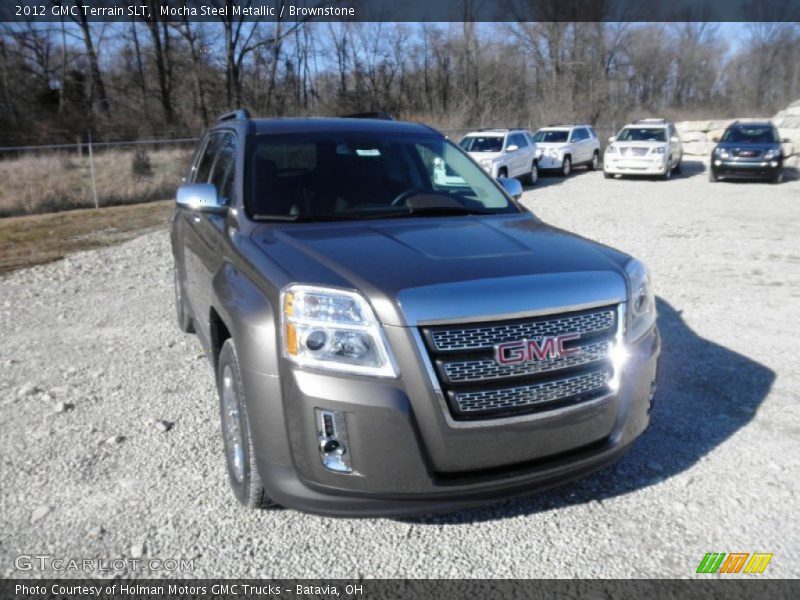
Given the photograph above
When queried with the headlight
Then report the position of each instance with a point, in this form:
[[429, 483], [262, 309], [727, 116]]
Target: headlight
[[333, 329], [770, 154], [485, 162], [611, 150], [658, 150], [641, 301]]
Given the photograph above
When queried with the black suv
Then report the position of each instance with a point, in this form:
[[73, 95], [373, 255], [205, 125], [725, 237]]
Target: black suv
[[748, 151]]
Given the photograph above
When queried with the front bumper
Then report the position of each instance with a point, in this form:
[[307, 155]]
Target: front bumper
[[634, 166], [397, 474], [746, 169], [549, 162]]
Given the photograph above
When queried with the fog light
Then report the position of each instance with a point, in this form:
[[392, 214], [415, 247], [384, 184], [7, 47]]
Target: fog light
[[332, 439], [773, 163], [718, 162]]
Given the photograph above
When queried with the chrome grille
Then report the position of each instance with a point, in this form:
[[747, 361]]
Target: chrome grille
[[476, 386], [481, 370], [531, 395], [472, 338]]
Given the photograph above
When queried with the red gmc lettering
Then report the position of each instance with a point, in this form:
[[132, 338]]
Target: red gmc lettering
[[528, 350]]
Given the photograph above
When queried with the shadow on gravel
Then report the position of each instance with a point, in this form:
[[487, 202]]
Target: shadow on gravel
[[706, 394]]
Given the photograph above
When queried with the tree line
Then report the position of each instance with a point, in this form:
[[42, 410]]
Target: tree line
[[153, 78]]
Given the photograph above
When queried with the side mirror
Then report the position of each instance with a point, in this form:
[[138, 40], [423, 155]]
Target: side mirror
[[512, 186], [612, 139], [202, 197], [512, 148]]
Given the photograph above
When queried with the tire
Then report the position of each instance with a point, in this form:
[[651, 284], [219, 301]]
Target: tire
[[678, 168], [667, 172], [502, 172], [236, 435], [533, 177], [712, 176], [595, 162], [778, 178], [185, 323], [566, 166], [608, 175]]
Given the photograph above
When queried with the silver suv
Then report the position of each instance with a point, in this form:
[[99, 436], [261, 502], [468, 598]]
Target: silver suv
[[646, 147], [384, 344], [562, 147], [504, 153]]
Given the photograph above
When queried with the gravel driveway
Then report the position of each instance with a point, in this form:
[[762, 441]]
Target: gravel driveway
[[111, 448]]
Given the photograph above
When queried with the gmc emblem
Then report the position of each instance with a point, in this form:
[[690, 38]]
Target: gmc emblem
[[511, 353]]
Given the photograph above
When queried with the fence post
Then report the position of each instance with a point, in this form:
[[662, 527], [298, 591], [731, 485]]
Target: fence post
[[91, 168]]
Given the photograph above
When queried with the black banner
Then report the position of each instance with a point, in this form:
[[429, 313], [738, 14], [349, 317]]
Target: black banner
[[401, 10], [734, 588]]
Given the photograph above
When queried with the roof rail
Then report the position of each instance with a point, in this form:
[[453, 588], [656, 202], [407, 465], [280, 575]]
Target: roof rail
[[662, 121], [383, 116], [239, 113]]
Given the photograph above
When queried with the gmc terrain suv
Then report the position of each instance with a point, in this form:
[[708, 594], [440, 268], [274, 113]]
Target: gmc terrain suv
[[646, 147], [748, 151], [561, 147], [503, 152], [387, 345]]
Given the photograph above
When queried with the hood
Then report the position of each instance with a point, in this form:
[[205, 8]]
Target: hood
[[550, 145], [431, 269], [639, 144]]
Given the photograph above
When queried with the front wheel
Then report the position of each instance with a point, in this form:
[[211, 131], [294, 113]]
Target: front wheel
[[712, 177], [667, 171], [236, 433], [678, 168], [608, 175], [566, 166], [534, 174], [778, 178], [185, 322], [594, 162]]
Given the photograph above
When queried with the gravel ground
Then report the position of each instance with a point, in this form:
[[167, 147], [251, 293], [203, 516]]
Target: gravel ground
[[111, 447]]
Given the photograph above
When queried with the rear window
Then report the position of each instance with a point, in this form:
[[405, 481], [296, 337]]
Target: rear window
[[551, 137], [750, 135]]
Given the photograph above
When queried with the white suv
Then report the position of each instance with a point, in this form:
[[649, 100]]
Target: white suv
[[646, 147], [503, 152], [561, 147]]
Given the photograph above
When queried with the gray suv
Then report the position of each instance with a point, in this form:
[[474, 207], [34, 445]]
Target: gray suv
[[388, 345]]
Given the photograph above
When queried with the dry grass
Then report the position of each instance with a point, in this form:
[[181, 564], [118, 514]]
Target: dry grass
[[36, 239], [57, 182]]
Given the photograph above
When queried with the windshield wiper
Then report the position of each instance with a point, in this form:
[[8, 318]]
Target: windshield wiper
[[428, 211]]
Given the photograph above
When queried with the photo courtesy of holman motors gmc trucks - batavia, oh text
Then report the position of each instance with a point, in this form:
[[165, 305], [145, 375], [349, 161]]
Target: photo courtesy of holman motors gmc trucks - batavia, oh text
[[387, 343]]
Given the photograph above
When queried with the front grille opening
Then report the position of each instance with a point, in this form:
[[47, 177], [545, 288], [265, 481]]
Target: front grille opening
[[477, 386]]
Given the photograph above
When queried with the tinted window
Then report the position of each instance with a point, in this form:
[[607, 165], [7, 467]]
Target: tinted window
[[742, 134], [492, 143], [352, 176], [206, 161], [551, 136], [579, 135], [224, 167], [520, 140], [643, 134], [592, 133]]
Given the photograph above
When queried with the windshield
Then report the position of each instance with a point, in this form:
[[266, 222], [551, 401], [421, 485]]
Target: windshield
[[474, 143], [643, 134], [353, 176], [551, 137], [750, 135]]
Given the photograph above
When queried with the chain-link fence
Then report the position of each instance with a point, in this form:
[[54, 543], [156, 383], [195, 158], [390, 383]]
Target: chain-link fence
[[37, 179]]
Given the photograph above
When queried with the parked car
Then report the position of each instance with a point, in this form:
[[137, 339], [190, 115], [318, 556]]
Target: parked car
[[503, 152], [748, 151], [646, 147], [562, 147], [386, 345]]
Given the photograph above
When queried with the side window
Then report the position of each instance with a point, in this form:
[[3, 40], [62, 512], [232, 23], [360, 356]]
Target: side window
[[203, 168], [592, 133], [522, 141], [224, 169], [575, 136]]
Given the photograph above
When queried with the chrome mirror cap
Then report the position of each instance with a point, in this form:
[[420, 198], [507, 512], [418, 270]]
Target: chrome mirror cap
[[201, 197], [512, 186]]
